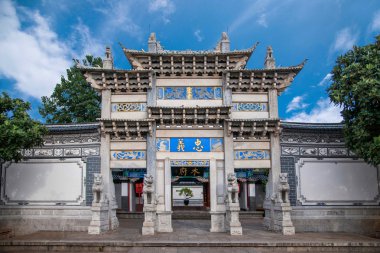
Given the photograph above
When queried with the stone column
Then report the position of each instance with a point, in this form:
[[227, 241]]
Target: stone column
[[151, 152], [105, 161], [164, 218], [275, 163], [217, 217]]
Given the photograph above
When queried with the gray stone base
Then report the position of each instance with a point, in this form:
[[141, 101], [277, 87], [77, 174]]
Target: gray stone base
[[217, 222], [164, 222], [232, 219], [352, 219], [99, 221], [282, 219], [26, 220], [149, 220]]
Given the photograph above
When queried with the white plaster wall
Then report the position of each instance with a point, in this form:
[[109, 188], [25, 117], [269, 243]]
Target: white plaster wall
[[336, 182], [188, 81], [252, 164], [249, 115], [128, 145], [136, 164], [251, 145], [247, 97], [189, 133], [45, 182], [128, 98], [129, 115]]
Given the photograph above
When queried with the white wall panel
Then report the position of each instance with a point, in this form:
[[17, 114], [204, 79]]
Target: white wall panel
[[44, 181], [337, 182]]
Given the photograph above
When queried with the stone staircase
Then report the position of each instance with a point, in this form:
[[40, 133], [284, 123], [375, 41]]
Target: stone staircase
[[189, 215]]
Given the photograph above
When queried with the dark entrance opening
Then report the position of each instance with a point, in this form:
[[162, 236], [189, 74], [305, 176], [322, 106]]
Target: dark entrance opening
[[190, 184]]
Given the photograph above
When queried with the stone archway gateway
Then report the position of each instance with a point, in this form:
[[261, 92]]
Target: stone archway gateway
[[192, 108]]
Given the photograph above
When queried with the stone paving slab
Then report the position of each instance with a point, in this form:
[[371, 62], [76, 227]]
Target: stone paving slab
[[191, 234]]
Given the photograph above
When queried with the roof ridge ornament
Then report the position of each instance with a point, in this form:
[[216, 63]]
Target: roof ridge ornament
[[154, 45], [223, 45], [270, 62], [108, 60]]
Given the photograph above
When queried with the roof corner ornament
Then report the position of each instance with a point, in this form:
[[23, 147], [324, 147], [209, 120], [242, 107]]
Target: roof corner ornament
[[270, 62], [108, 60], [154, 45], [224, 44]]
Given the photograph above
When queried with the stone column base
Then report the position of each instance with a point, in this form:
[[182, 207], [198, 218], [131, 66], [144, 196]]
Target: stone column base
[[269, 215], [99, 222], [149, 220], [282, 219], [217, 222], [164, 222], [232, 219]]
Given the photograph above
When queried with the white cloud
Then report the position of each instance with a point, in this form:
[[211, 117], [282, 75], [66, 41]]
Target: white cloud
[[198, 35], [33, 56], [345, 39], [166, 7], [375, 25], [82, 39], [323, 112], [256, 10], [262, 20], [118, 18], [296, 104], [326, 80]]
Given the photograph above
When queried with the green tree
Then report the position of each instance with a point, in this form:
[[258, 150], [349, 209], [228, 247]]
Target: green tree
[[17, 130], [356, 88], [73, 100]]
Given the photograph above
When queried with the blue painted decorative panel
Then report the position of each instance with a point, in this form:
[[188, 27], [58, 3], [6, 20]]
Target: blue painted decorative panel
[[163, 144], [191, 163], [189, 93], [129, 155], [256, 107], [187, 144], [252, 155]]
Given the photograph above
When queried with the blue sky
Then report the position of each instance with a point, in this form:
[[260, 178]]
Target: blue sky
[[38, 39]]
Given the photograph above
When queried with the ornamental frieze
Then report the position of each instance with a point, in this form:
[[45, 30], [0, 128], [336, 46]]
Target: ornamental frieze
[[61, 152], [246, 107], [252, 155], [316, 151], [189, 93], [71, 139], [128, 155], [128, 107]]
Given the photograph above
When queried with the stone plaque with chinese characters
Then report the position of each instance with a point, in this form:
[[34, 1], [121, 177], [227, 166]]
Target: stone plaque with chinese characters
[[189, 144]]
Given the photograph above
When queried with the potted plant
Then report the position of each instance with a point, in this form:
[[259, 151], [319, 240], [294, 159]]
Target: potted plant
[[188, 193]]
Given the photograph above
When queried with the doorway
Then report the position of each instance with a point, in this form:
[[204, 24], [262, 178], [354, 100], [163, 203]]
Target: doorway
[[190, 188]]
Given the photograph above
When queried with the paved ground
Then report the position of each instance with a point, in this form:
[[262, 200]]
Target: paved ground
[[189, 234]]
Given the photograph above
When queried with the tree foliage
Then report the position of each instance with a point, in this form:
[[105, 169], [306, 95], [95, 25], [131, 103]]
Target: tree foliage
[[356, 88], [73, 100], [17, 130]]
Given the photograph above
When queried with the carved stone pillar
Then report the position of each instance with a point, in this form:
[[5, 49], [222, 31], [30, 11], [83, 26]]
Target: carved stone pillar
[[217, 217], [164, 217]]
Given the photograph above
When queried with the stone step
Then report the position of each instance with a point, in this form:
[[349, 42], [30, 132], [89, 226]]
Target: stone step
[[190, 215]]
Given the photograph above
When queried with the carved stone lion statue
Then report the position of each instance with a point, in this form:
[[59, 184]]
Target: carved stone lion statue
[[97, 189], [148, 190], [232, 188], [283, 189]]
